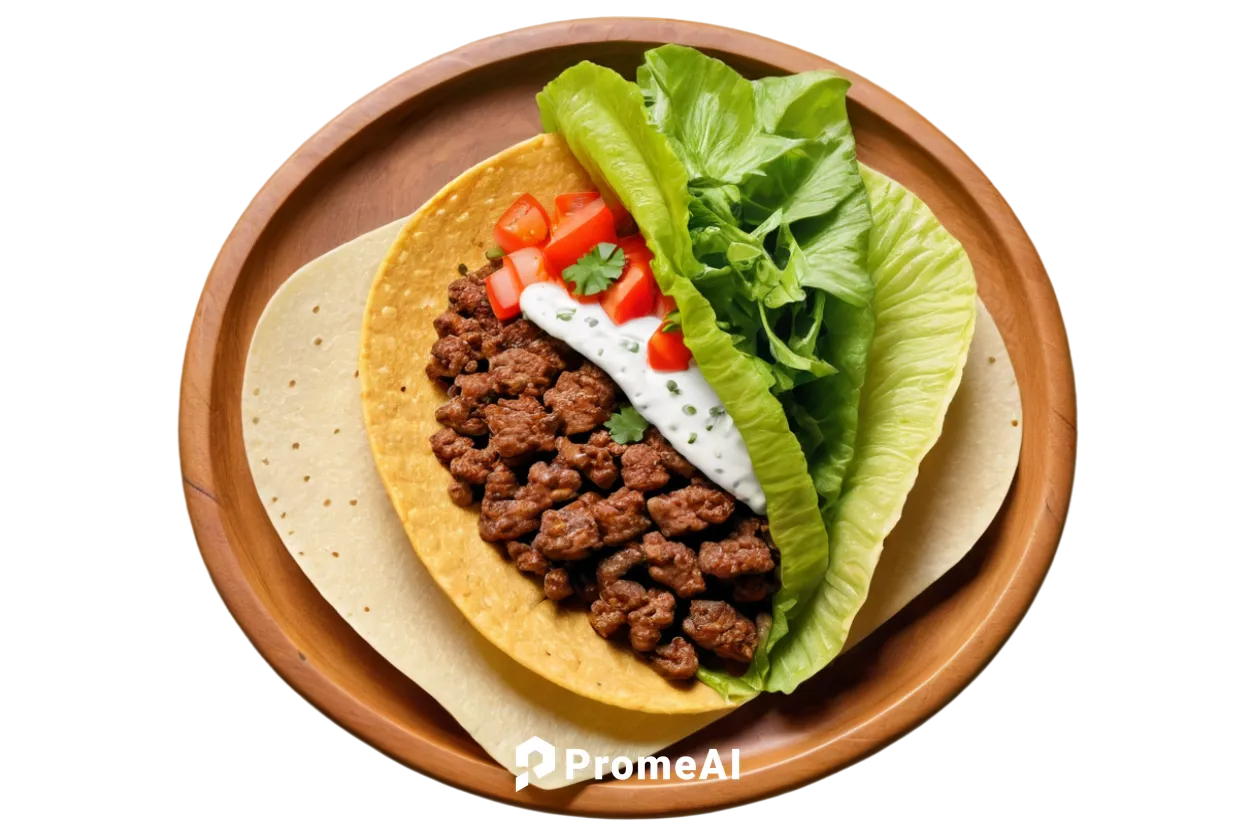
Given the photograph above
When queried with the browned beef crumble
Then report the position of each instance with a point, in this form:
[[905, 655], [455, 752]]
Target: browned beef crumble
[[666, 562]]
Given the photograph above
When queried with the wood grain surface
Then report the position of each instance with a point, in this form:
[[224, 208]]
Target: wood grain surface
[[380, 160], [1126, 683]]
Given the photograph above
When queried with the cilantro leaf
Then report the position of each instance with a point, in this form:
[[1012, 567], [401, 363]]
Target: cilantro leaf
[[627, 425], [597, 269]]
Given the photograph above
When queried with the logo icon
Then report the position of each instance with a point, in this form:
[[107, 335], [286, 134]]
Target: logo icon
[[522, 758]]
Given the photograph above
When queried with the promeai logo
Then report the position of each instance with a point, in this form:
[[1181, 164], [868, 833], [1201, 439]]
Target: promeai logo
[[645, 766], [522, 758]]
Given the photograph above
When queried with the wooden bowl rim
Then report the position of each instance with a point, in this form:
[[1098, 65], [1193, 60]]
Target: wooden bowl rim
[[819, 758]]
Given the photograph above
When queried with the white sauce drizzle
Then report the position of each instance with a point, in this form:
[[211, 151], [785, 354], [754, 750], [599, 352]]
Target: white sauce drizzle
[[682, 405]]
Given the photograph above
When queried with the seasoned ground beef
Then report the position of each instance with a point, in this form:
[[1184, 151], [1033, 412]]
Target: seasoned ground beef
[[521, 428], [475, 387], [462, 415], [584, 399], [450, 356], [561, 483], [518, 371], [667, 564], [569, 533], [474, 466], [650, 619], [677, 659], [673, 564], [691, 509], [715, 625], [621, 517], [527, 559], [744, 553], [597, 463], [461, 494], [448, 445], [618, 564], [643, 469], [557, 585]]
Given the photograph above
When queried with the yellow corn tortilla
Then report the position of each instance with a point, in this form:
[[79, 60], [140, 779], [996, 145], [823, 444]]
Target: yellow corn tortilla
[[399, 402]]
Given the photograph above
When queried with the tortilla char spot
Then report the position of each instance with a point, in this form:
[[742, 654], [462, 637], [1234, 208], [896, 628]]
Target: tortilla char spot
[[1015, 422], [336, 432], [274, 499], [256, 420], [352, 502], [316, 308], [295, 445], [326, 503], [291, 384], [265, 461], [257, 391], [300, 655], [365, 609], [335, 554], [317, 340], [306, 478], [992, 360]]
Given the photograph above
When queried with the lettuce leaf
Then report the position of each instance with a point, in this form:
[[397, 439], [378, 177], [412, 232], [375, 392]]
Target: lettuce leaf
[[603, 119], [924, 308]]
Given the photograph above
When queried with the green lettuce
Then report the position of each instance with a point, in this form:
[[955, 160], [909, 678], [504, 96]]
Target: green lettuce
[[603, 119], [924, 308]]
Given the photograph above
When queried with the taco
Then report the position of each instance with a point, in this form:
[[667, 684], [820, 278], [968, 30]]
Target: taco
[[648, 392]]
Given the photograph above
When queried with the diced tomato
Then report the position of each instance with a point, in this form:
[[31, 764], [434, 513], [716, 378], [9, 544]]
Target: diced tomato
[[624, 223], [665, 305], [636, 249], [667, 352], [579, 231], [564, 204], [633, 295], [504, 291], [524, 224], [529, 266]]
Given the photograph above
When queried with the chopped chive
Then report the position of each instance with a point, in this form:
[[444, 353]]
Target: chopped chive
[[463, 270], [600, 351], [689, 409], [494, 253], [692, 438], [592, 321], [709, 427], [717, 411], [566, 316], [672, 387]]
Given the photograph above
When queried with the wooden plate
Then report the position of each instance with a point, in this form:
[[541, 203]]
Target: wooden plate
[[380, 160]]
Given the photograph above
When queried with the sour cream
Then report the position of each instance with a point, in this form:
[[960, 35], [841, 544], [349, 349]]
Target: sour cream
[[682, 405]]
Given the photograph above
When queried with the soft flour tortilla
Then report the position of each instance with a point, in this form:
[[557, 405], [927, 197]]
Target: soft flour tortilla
[[410, 290], [332, 513], [357, 555]]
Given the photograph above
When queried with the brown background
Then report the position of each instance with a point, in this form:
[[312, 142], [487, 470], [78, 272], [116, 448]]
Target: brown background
[[128, 141]]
